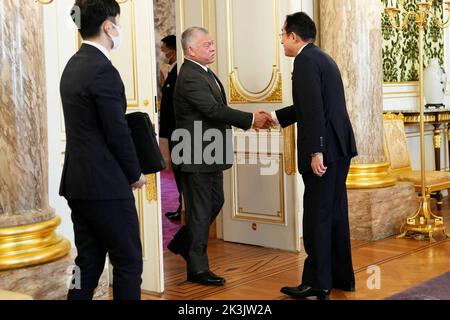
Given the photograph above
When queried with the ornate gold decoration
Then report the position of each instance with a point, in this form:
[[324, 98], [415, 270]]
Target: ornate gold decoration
[[437, 139], [416, 119], [31, 244], [152, 188], [289, 150], [273, 93], [370, 176], [423, 221], [393, 116], [140, 211], [444, 117]]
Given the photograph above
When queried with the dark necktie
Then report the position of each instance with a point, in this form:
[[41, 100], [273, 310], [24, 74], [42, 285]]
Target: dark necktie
[[211, 74], [213, 77]]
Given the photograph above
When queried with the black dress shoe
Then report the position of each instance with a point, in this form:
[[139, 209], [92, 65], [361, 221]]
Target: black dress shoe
[[175, 217], [206, 278], [177, 250], [302, 292]]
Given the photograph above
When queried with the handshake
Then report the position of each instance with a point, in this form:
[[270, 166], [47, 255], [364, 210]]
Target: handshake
[[263, 120]]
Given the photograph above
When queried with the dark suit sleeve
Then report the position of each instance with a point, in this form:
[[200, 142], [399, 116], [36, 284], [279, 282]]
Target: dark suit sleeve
[[167, 117], [107, 89], [286, 116], [167, 122], [307, 88], [198, 93]]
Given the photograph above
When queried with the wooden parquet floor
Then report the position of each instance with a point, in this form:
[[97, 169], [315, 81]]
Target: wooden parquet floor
[[256, 273]]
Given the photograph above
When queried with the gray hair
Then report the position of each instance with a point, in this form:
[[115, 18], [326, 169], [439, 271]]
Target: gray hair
[[188, 37]]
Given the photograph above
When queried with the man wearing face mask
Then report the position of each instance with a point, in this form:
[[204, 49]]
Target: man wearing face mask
[[167, 115], [101, 167]]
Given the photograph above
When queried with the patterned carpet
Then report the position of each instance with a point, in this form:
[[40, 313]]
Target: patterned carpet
[[437, 288], [169, 199]]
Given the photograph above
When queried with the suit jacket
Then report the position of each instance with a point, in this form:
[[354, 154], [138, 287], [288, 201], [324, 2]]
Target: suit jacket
[[319, 109], [201, 105], [100, 160], [167, 112]]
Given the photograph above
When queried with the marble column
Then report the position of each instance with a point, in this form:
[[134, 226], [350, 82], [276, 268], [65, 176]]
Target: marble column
[[23, 136], [165, 24], [350, 31]]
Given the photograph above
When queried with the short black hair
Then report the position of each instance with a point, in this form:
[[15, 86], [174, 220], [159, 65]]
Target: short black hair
[[92, 15], [170, 42], [302, 25]]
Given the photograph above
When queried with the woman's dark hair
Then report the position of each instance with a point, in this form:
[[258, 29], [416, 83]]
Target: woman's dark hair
[[92, 14], [302, 25], [170, 42]]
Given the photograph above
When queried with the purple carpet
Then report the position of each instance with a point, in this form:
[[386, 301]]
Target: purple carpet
[[437, 288], [169, 199]]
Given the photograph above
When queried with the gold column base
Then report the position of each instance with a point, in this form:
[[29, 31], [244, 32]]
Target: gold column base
[[424, 224], [33, 244], [370, 176]]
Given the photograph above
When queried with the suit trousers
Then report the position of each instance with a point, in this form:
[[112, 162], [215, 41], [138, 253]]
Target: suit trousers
[[203, 198], [326, 235], [177, 176], [102, 227]]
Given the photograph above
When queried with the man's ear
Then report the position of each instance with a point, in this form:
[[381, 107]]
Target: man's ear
[[191, 52], [106, 26]]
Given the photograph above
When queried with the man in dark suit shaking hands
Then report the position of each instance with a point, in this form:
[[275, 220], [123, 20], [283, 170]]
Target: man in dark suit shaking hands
[[100, 167], [203, 119], [326, 145]]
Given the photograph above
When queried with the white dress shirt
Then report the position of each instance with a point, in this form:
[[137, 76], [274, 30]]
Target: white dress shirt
[[99, 47], [172, 66]]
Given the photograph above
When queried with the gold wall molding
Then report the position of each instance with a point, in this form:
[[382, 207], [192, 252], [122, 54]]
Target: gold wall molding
[[289, 150], [152, 187], [370, 176], [242, 214], [273, 92], [32, 244]]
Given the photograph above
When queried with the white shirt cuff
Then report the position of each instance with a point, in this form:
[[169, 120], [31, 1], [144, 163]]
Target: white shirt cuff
[[274, 117]]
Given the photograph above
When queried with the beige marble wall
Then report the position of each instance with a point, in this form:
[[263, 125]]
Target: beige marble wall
[[165, 24], [350, 31], [23, 124]]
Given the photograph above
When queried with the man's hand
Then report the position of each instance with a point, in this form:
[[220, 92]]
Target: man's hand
[[139, 184], [317, 165], [164, 147], [263, 120]]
